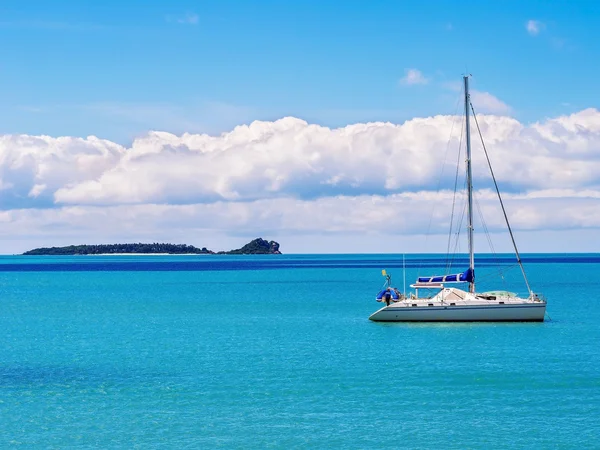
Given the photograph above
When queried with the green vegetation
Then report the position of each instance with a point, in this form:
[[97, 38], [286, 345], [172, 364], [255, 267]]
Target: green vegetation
[[257, 246], [176, 249]]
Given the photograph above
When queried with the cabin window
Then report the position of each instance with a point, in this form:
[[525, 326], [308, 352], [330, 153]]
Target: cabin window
[[452, 304], [414, 304], [430, 304], [501, 303]]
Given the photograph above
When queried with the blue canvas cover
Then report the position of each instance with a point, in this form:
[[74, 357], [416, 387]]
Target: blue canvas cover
[[391, 291], [466, 277]]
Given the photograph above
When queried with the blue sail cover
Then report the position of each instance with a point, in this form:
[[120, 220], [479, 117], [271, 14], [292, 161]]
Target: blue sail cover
[[392, 292], [467, 277]]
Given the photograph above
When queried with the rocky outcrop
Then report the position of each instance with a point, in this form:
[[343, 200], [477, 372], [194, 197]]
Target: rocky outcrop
[[258, 246]]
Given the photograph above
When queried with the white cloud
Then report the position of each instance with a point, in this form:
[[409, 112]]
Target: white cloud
[[397, 214], [290, 157], [32, 168], [487, 103], [36, 190], [413, 76], [484, 102], [534, 27], [293, 177]]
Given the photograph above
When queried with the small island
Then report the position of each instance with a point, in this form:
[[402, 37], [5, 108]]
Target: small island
[[258, 246]]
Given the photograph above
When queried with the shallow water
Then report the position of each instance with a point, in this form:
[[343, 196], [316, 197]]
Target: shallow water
[[277, 352]]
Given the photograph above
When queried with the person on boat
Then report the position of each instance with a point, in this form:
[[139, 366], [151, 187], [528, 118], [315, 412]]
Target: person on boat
[[388, 297]]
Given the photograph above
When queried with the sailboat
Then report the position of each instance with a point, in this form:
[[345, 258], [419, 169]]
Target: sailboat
[[452, 304]]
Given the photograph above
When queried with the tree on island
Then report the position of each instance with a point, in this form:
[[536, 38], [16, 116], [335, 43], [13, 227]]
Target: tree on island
[[257, 246]]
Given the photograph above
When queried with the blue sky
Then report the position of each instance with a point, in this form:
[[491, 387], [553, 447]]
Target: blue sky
[[80, 68], [319, 123]]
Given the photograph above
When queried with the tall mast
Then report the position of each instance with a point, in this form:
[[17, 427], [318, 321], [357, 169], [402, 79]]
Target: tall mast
[[469, 187]]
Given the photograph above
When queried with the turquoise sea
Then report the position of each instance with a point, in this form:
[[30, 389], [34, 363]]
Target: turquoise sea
[[278, 352]]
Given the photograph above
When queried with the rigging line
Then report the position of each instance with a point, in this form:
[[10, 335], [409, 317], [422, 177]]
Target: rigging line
[[460, 225], [490, 275], [455, 115], [485, 229], [494, 273], [457, 248], [458, 229], [454, 200], [489, 239], [501, 202], [457, 237]]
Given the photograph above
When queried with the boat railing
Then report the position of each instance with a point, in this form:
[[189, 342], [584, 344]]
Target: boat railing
[[427, 285], [538, 297]]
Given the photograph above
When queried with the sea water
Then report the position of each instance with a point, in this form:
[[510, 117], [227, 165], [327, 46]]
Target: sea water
[[278, 352]]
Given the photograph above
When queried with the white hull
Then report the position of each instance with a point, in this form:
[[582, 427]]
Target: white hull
[[491, 313], [447, 306]]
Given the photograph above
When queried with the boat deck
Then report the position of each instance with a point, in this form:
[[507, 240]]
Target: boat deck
[[452, 304]]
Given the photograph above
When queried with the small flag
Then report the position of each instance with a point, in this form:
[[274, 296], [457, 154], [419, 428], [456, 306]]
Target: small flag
[[384, 273]]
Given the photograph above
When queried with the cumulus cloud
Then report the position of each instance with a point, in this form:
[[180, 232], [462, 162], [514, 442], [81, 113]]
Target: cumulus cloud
[[290, 176], [488, 103], [484, 102], [413, 76], [291, 158], [534, 27], [406, 213], [33, 168]]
